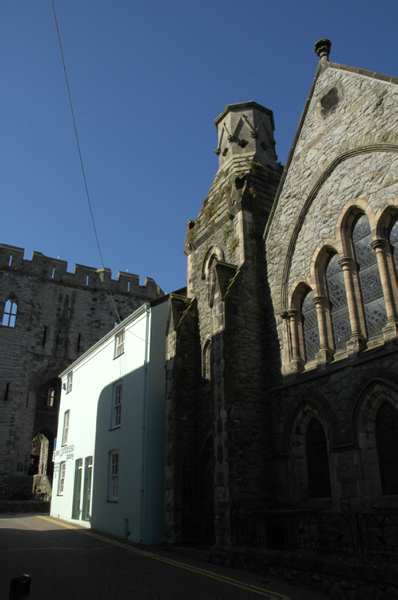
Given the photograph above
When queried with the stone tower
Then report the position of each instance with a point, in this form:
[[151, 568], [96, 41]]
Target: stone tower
[[216, 339]]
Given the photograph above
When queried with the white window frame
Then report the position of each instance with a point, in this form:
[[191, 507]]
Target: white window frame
[[88, 488], [69, 382], [61, 481], [114, 464], [65, 431], [117, 405], [119, 343]]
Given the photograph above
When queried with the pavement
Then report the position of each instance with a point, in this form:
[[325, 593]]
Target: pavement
[[72, 562]]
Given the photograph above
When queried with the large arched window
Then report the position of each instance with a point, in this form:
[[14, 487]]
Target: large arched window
[[394, 244], [310, 326], [10, 313], [338, 303], [387, 447], [318, 461], [369, 278]]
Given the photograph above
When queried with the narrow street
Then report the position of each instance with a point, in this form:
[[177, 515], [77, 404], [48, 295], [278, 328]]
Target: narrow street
[[68, 562]]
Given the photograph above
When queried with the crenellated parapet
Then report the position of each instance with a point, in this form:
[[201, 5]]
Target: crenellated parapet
[[55, 270]]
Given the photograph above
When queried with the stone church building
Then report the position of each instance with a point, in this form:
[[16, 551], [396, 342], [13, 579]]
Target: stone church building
[[281, 356], [49, 318], [282, 378]]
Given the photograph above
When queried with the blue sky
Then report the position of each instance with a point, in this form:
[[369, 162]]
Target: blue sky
[[147, 81]]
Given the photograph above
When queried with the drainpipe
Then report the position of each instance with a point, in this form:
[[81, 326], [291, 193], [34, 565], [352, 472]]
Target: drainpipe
[[143, 426]]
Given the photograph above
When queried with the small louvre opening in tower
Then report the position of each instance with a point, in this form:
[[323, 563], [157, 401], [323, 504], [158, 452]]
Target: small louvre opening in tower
[[44, 337], [87, 279], [128, 286], [53, 273], [10, 260], [6, 392], [79, 339]]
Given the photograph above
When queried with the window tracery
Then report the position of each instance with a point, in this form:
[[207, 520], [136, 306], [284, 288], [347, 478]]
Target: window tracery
[[310, 326], [369, 278], [338, 303]]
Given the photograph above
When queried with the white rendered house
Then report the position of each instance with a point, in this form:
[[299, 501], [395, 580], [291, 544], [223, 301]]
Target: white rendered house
[[109, 455]]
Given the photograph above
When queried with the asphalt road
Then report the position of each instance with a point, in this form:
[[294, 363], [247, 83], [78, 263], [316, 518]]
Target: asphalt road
[[69, 562]]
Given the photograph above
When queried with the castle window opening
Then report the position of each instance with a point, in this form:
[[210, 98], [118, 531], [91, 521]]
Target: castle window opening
[[53, 273], [10, 314], [50, 397], [6, 392], [44, 337], [10, 260], [87, 279], [128, 285], [79, 339]]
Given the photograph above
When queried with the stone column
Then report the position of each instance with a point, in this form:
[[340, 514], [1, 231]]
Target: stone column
[[357, 342], [391, 329], [325, 354], [297, 363]]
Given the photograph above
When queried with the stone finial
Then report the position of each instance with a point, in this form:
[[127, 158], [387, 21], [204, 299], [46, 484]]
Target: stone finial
[[322, 49]]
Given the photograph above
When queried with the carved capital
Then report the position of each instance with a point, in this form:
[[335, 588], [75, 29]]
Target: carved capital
[[292, 314], [379, 243], [319, 300], [346, 262]]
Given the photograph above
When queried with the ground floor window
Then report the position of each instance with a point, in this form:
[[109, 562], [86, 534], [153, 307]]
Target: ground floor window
[[61, 482], [87, 487], [114, 475]]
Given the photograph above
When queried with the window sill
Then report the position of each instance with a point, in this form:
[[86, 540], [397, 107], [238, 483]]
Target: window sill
[[114, 427], [112, 501]]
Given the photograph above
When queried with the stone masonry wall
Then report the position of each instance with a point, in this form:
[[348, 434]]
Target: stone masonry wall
[[342, 156]]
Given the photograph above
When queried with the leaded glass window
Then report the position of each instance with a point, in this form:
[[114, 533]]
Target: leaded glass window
[[338, 303], [369, 278], [310, 326], [394, 244], [318, 461], [387, 446]]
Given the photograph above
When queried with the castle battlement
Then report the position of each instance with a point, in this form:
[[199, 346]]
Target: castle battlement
[[55, 270]]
